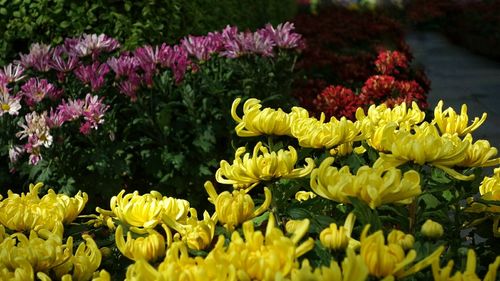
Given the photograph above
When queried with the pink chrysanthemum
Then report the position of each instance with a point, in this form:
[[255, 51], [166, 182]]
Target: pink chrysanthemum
[[38, 57], [93, 44], [12, 73], [35, 90], [92, 74], [283, 35]]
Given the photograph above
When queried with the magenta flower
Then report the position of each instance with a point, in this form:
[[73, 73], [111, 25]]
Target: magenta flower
[[54, 119], [92, 74], [202, 47], [130, 86], [94, 109], [123, 66], [70, 110], [12, 73], [175, 58], [35, 90], [238, 44], [62, 61], [283, 35], [38, 57], [92, 44]]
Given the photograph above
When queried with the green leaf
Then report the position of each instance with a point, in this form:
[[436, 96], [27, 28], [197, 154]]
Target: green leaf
[[258, 221], [365, 214], [430, 200], [64, 24]]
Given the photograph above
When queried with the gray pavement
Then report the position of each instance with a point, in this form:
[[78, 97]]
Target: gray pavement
[[459, 76]]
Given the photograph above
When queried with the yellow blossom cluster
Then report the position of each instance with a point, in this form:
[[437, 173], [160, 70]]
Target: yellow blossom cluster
[[28, 211], [42, 254], [490, 192], [373, 186], [255, 256], [138, 217], [444, 273]]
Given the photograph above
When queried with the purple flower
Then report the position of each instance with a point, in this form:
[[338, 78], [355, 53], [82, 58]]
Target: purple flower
[[92, 44], [55, 119], [92, 74], [283, 35], [12, 73], [123, 66], [70, 110], [38, 57], [130, 86], [62, 61], [175, 58], [35, 90], [237, 43], [94, 110], [202, 47]]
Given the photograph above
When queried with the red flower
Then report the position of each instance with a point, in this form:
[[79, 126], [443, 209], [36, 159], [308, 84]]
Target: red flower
[[391, 63], [337, 101]]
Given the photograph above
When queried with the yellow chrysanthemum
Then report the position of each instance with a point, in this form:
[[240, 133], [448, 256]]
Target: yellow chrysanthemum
[[338, 238], [232, 209], [314, 133], [196, 234], [150, 246], [379, 115], [30, 212], [256, 122], [43, 254], [261, 256], [374, 186], [390, 260], [444, 274], [144, 211], [178, 265], [449, 122], [490, 191], [422, 146], [479, 154], [262, 165]]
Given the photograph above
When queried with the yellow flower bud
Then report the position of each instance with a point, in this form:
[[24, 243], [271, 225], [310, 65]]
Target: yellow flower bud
[[334, 238], [399, 237], [432, 229]]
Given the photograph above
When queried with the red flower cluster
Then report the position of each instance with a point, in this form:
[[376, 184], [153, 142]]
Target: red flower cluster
[[391, 62], [391, 89], [337, 101]]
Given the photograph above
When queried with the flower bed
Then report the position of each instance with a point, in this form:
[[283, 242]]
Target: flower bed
[[87, 115], [386, 196]]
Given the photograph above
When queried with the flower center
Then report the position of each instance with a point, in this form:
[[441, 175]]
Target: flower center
[[5, 107]]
